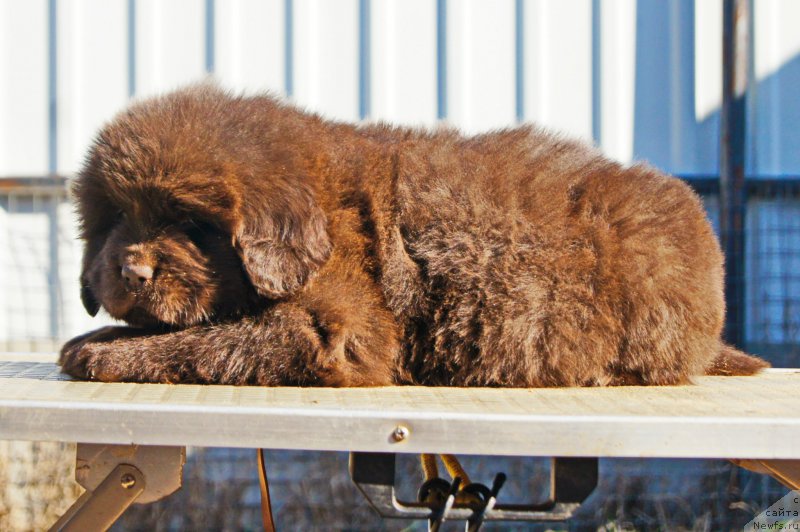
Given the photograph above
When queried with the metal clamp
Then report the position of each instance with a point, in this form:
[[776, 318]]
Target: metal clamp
[[572, 480]]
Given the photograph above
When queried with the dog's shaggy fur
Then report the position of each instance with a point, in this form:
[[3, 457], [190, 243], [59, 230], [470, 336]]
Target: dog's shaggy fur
[[282, 249]]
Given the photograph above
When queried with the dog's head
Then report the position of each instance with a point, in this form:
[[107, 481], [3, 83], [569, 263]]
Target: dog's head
[[188, 216]]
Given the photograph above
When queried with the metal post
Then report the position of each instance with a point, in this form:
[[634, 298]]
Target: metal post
[[735, 36]]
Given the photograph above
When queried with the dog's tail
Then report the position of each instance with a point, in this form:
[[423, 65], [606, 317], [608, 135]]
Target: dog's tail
[[732, 362]]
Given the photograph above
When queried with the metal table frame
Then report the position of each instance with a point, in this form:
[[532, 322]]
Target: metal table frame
[[132, 435]]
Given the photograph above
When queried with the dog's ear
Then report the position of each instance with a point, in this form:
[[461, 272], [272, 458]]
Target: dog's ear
[[282, 241], [90, 251], [88, 298]]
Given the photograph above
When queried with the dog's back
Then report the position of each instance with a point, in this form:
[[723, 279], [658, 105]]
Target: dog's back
[[532, 260]]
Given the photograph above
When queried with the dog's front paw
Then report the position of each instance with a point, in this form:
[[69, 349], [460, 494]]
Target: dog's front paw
[[84, 359], [97, 355], [124, 354]]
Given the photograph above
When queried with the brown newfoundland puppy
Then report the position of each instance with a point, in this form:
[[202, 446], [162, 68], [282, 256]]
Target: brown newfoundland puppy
[[248, 242]]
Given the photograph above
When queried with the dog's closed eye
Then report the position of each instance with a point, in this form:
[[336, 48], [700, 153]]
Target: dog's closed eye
[[198, 232]]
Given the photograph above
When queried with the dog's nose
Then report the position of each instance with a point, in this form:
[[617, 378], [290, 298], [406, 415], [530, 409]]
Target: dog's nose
[[136, 275]]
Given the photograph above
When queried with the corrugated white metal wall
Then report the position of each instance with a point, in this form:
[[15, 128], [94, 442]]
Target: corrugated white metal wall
[[640, 77]]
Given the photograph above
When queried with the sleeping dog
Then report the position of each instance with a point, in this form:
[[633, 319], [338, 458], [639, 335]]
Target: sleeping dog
[[246, 241]]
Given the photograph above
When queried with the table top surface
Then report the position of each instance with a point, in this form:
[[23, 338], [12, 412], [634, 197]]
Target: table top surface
[[721, 417]]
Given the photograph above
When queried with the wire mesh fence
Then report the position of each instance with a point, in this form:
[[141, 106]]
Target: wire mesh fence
[[39, 266], [769, 264], [772, 257]]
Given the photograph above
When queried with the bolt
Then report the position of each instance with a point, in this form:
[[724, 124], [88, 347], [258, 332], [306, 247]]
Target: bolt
[[127, 481], [400, 433]]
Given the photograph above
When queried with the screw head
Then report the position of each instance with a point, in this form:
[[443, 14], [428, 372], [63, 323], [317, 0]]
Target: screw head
[[127, 481], [400, 433]]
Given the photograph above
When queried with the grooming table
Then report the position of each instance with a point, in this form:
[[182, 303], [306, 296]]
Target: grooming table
[[144, 428]]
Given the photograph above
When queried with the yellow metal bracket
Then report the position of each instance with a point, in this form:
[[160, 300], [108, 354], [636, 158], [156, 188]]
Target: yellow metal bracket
[[787, 472]]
